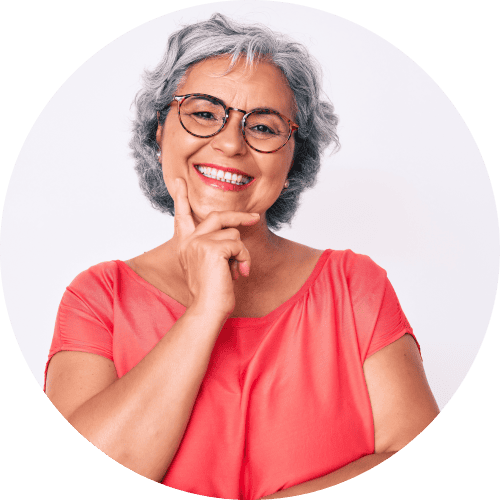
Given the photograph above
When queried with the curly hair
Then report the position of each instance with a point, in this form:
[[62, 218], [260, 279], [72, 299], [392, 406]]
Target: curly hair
[[218, 36]]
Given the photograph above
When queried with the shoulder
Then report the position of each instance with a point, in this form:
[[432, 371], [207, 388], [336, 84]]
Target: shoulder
[[100, 276], [85, 318], [355, 267], [354, 275], [356, 263], [95, 288]]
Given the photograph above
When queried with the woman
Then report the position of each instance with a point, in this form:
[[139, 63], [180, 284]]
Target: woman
[[229, 361]]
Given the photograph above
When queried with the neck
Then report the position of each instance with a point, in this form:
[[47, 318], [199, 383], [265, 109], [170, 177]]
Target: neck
[[265, 247]]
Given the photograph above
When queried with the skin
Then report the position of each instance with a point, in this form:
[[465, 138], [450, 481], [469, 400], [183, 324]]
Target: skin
[[242, 89], [221, 262]]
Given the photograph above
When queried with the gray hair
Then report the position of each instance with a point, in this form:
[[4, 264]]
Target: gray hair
[[217, 36]]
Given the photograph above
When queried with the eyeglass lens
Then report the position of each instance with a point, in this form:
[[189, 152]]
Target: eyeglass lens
[[264, 130]]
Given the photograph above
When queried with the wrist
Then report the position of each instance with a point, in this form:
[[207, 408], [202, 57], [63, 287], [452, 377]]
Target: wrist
[[213, 302], [207, 311]]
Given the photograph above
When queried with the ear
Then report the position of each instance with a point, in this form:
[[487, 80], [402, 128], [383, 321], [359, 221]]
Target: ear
[[159, 130]]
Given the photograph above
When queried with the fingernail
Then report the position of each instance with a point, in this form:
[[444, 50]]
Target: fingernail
[[255, 215], [244, 268]]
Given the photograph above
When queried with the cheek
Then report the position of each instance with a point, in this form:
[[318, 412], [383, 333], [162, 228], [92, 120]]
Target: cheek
[[167, 176], [282, 167], [177, 146], [173, 133], [170, 160]]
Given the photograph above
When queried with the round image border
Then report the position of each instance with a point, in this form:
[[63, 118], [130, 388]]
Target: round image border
[[453, 456]]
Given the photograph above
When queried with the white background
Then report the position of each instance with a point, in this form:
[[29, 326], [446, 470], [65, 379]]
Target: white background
[[408, 188]]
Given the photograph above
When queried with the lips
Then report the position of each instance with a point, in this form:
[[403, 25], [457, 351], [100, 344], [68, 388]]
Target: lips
[[227, 179]]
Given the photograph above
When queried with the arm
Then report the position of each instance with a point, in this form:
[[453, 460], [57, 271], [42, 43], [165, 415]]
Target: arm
[[139, 420], [402, 405]]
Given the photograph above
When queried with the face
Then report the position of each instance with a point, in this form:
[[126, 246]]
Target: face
[[182, 154]]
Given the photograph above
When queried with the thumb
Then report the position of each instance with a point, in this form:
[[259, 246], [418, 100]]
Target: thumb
[[183, 219]]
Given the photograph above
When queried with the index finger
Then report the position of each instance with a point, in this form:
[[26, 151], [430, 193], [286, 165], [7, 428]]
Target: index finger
[[220, 220], [183, 219]]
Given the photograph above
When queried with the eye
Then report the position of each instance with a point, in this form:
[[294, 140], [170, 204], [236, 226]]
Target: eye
[[262, 129], [204, 115], [202, 110], [264, 125]]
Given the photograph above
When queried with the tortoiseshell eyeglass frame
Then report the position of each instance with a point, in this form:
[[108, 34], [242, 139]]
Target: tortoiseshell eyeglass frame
[[292, 127]]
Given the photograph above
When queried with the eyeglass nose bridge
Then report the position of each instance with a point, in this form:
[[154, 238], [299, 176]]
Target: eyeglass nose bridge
[[242, 121]]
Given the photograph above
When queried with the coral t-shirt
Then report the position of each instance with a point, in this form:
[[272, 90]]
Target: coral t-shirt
[[284, 399]]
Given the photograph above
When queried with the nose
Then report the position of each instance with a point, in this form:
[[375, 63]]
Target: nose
[[230, 139]]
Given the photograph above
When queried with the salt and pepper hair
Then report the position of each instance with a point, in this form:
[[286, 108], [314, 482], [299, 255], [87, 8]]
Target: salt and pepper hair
[[217, 36]]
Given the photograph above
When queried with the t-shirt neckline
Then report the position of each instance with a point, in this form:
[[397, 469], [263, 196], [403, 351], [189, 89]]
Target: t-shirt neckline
[[239, 321]]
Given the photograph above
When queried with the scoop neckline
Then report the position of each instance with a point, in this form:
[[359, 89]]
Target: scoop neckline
[[239, 321]]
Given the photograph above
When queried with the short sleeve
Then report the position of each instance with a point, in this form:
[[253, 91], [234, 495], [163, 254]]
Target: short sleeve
[[84, 317], [379, 318], [391, 323]]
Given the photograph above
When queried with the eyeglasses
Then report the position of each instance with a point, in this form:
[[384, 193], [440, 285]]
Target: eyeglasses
[[264, 130]]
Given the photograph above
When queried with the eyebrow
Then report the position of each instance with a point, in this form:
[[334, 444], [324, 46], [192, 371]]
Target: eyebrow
[[210, 98], [207, 96]]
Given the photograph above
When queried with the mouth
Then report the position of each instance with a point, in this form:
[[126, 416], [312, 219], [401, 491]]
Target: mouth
[[228, 179]]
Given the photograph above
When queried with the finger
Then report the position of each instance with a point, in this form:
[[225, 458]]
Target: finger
[[234, 269], [238, 251], [224, 234], [183, 219], [216, 221]]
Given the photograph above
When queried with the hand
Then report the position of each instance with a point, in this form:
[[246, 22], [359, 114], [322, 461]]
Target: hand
[[211, 254]]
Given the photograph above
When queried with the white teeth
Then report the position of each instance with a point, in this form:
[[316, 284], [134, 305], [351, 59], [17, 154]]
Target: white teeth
[[230, 178]]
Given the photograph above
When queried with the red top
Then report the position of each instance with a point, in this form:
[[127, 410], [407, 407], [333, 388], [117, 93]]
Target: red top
[[284, 399]]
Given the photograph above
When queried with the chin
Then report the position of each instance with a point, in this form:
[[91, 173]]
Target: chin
[[201, 211]]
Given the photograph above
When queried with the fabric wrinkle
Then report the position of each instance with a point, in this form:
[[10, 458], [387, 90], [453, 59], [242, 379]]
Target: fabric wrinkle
[[284, 398]]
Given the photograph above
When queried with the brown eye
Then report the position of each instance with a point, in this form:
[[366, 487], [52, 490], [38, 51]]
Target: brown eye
[[204, 115]]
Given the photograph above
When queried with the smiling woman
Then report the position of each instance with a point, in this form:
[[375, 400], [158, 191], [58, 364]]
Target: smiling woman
[[228, 361], [225, 147]]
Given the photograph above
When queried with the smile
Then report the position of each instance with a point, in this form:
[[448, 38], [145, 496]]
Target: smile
[[226, 179]]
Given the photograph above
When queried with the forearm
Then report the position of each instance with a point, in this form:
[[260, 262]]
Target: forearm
[[340, 475], [140, 419]]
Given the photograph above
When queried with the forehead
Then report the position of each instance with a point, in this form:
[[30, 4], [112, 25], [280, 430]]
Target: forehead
[[261, 85]]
